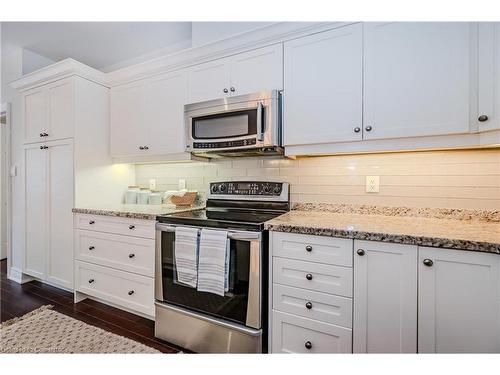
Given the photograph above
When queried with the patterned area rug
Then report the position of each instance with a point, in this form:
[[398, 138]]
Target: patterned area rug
[[46, 331]]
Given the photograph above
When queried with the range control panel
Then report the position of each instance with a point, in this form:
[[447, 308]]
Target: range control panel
[[242, 188]]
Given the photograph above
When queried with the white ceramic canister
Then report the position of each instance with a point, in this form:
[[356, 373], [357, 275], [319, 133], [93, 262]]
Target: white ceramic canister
[[131, 195], [155, 197], [143, 196]]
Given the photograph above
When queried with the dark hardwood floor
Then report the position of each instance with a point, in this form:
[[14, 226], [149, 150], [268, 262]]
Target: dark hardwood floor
[[17, 300]]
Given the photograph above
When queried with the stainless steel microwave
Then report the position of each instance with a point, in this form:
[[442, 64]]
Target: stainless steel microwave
[[242, 125]]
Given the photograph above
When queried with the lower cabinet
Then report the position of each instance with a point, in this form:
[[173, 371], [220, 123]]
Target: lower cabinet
[[458, 302], [385, 298]]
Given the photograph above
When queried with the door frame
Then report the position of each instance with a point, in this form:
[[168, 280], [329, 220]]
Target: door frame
[[5, 108]]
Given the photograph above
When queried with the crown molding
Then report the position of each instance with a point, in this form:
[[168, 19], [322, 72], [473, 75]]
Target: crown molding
[[61, 69]]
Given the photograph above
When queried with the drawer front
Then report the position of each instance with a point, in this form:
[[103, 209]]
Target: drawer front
[[126, 253], [327, 308], [122, 288], [323, 278], [116, 225], [293, 334], [329, 250]]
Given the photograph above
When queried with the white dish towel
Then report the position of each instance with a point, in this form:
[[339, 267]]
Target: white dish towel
[[186, 255], [213, 261]]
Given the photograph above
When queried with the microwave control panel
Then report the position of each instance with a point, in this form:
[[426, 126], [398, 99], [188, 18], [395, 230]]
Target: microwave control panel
[[225, 144], [246, 188]]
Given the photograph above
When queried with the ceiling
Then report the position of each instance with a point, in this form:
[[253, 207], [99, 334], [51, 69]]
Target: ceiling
[[102, 45]]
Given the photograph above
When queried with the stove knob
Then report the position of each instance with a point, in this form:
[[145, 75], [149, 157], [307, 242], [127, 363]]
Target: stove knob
[[267, 189], [277, 189], [215, 189], [222, 187]]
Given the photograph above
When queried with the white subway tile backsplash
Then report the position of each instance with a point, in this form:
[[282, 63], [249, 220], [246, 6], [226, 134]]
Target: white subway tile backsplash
[[449, 179]]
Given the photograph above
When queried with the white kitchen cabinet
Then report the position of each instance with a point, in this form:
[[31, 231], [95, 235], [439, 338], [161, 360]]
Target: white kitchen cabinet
[[458, 302], [385, 298], [487, 116], [49, 200], [416, 78], [49, 112], [323, 87], [257, 70]]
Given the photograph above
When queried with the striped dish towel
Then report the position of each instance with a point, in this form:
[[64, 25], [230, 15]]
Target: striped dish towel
[[213, 261], [186, 255]]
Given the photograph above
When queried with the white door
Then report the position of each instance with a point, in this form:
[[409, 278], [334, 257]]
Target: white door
[[257, 70], [166, 96], [385, 298], [60, 109], [59, 258], [209, 80], [416, 78], [487, 116], [35, 115], [323, 87], [458, 302], [35, 177], [128, 127]]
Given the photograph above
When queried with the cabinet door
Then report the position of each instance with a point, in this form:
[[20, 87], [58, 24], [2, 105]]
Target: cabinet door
[[128, 128], [257, 70], [60, 109], [35, 172], [166, 96], [458, 302], [59, 258], [323, 87], [385, 298], [488, 112], [35, 115], [416, 79], [209, 80]]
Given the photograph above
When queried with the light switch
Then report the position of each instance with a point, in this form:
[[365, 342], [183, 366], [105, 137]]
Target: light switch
[[152, 184], [372, 184]]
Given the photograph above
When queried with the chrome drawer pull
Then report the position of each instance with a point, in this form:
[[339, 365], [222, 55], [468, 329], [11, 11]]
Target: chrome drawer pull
[[309, 276], [130, 292], [308, 345], [309, 305], [91, 247], [131, 256], [91, 281], [131, 227], [309, 248], [91, 222]]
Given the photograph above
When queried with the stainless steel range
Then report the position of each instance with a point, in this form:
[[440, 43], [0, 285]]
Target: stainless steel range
[[236, 321]]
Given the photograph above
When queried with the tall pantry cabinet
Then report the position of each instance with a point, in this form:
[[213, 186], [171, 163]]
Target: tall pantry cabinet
[[66, 143]]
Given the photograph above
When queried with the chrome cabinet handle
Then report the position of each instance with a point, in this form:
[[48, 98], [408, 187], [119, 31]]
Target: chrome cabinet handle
[[130, 292], [141, 147], [357, 129], [309, 276], [225, 90], [91, 222], [145, 148], [233, 89], [482, 118], [44, 147], [308, 345], [309, 305], [360, 252], [131, 256], [41, 135], [91, 247], [368, 128], [131, 227], [309, 248], [260, 122], [44, 135], [428, 262], [91, 281]]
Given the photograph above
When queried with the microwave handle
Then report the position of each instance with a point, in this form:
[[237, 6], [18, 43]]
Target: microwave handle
[[260, 122]]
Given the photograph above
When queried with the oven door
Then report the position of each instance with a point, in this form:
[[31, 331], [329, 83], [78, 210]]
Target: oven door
[[241, 304]]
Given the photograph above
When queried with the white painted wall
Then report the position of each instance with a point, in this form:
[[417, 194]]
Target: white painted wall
[[33, 61], [208, 32]]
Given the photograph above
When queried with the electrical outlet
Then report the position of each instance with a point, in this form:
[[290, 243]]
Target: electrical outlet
[[372, 184], [152, 184]]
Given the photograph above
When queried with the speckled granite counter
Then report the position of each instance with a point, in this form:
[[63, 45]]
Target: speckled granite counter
[[473, 235], [136, 211]]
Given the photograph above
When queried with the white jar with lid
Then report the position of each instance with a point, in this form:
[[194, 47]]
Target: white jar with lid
[[131, 195], [155, 197], [143, 196]]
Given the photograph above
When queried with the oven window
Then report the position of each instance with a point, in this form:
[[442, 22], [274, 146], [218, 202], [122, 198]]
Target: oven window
[[233, 306], [225, 125]]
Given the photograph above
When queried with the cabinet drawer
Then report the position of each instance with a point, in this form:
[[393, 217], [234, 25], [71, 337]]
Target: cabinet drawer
[[116, 225], [291, 334], [323, 278], [122, 252], [121, 288], [337, 251], [314, 305]]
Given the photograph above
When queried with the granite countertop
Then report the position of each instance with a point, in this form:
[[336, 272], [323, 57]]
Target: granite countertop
[[137, 211], [476, 235]]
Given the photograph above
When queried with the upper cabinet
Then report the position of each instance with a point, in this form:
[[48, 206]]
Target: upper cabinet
[[147, 116], [257, 70], [323, 87], [49, 111], [416, 79]]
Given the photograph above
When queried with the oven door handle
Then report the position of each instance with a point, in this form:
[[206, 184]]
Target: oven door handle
[[233, 235]]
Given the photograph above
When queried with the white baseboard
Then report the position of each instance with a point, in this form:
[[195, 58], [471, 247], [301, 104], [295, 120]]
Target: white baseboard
[[17, 275]]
